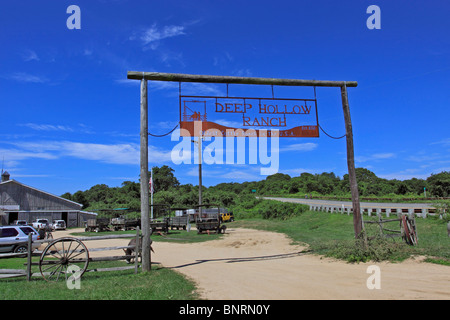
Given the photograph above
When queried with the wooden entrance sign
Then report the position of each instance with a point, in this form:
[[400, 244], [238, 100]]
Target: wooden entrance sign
[[270, 113]]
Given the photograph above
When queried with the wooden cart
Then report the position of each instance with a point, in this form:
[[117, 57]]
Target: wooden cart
[[207, 222], [159, 225], [407, 231], [97, 225], [178, 222], [124, 224]]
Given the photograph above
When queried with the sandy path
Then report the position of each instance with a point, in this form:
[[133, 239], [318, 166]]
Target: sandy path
[[250, 264]]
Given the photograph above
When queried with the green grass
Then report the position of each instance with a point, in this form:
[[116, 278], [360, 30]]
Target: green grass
[[326, 234], [158, 284], [333, 235]]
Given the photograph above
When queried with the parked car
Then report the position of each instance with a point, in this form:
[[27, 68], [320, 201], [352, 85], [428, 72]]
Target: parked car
[[227, 217], [15, 238], [41, 223], [20, 222], [59, 225]]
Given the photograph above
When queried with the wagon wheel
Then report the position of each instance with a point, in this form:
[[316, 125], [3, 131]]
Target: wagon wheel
[[409, 231], [63, 256]]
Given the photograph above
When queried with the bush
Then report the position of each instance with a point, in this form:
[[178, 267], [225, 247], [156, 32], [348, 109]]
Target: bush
[[377, 249], [281, 210], [250, 207]]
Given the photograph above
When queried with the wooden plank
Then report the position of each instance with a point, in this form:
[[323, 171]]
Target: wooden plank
[[13, 271], [110, 269], [109, 248], [92, 259], [12, 255], [5, 276], [178, 77]]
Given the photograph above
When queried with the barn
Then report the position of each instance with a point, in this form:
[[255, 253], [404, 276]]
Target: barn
[[22, 202]]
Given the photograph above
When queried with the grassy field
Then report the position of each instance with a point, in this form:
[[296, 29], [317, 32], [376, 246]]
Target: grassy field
[[159, 284], [325, 234], [333, 235]]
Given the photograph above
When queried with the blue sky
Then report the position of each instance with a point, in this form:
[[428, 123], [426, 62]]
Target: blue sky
[[70, 117]]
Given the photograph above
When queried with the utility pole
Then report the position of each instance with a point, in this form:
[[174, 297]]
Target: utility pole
[[199, 144]]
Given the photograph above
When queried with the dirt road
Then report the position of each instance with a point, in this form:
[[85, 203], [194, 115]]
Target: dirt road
[[250, 264]]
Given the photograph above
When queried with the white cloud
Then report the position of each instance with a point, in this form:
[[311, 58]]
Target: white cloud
[[30, 55], [151, 36], [445, 142], [15, 155], [47, 127], [309, 146], [127, 153], [376, 156], [26, 77]]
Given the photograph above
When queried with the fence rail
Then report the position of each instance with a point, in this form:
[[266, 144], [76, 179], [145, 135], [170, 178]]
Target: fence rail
[[11, 273]]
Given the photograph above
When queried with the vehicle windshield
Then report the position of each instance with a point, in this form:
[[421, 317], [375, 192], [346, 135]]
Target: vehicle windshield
[[27, 230]]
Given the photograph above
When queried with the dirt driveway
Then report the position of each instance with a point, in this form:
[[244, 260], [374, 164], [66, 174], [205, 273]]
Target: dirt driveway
[[251, 264]]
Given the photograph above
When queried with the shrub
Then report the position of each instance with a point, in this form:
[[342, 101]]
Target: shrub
[[377, 249], [281, 210]]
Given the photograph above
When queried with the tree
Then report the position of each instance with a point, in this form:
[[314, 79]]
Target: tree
[[79, 197], [439, 184], [164, 179]]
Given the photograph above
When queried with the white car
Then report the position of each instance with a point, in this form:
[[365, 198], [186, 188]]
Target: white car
[[15, 238], [59, 225], [40, 223]]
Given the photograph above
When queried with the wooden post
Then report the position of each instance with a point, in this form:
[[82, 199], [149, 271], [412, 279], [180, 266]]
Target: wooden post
[[200, 184], [145, 222], [29, 251], [136, 251], [357, 223]]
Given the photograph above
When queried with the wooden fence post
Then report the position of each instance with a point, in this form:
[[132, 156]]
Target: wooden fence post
[[136, 251], [145, 206], [29, 251]]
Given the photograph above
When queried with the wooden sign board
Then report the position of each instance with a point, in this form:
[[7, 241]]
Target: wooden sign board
[[248, 117]]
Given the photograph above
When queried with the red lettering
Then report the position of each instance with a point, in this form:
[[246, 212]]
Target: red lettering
[[246, 121], [306, 109], [221, 107]]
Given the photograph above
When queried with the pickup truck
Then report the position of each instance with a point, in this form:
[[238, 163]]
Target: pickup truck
[[40, 224]]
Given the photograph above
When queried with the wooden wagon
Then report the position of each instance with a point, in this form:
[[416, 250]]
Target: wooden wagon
[[207, 222], [407, 231], [97, 225], [159, 225], [124, 224], [178, 222]]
